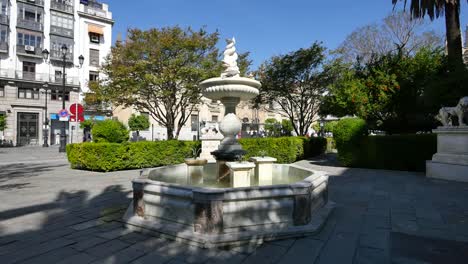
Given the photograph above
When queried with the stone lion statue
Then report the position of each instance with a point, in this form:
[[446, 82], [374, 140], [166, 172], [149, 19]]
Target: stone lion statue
[[460, 110]]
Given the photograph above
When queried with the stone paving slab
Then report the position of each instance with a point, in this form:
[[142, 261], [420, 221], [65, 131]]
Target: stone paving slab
[[52, 214]]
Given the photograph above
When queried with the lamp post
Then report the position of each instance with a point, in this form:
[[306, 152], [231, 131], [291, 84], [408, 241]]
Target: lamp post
[[45, 55], [45, 130], [322, 123]]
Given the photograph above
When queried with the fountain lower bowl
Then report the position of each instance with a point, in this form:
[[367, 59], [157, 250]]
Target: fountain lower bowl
[[220, 216]]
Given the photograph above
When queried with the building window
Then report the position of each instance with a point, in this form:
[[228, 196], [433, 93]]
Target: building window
[[2, 91], [93, 76], [214, 118], [94, 37], [30, 13], [29, 70], [194, 119], [56, 44], [4, 9], [57, 95], [3, 34], [61, 20], [27, 39], [94, 57], [28, 93]]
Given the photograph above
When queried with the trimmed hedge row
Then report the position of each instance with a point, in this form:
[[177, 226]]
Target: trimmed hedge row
[[394, 152], [284, 149], [144, 154], [397, 152], [134, 155]]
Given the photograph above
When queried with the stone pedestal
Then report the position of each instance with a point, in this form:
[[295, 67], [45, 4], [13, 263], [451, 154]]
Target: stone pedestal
[[210, 141], [240, 173], [451, 160], [263, 169], [195, 171]]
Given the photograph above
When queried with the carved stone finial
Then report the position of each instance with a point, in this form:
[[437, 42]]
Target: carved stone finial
[[445, 113], [230, 60]]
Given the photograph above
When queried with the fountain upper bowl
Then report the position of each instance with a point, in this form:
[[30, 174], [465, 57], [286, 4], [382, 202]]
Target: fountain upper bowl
[[241, 87]]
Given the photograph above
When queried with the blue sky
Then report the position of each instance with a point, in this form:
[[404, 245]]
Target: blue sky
[[265, 28]]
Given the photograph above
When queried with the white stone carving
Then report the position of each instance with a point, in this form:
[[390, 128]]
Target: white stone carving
[[230, 60], [445, 113]]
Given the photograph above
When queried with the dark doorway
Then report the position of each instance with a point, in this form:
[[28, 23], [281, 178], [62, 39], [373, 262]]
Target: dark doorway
[[27, 129]]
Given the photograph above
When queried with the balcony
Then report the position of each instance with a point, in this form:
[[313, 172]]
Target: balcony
[[34, 2], [61, 31], [29, 51], [96, 9], [39, 77], [4, 19], [61, 7], [30, 24], [3, 47]]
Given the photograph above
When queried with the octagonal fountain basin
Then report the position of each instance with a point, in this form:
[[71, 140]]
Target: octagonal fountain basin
[[200, 208]]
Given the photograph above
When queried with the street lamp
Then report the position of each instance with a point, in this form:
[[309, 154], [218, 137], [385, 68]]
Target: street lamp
[[322, 123], [45, 130], [45, 55]]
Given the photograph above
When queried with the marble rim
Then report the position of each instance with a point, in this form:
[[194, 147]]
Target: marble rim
[[218, 81]]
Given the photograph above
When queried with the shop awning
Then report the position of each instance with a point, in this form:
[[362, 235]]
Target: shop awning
[[95, 29]]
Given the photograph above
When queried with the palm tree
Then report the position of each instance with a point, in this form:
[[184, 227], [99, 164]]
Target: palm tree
[[434, 9]]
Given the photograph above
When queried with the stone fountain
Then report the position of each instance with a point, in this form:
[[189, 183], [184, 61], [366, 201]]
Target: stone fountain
[[230, 89], [229, 203]]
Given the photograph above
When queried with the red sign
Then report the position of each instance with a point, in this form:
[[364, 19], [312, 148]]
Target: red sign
[[77, 113]]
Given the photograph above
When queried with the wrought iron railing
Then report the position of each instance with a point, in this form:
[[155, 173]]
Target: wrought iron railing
[[61, 6], [30, 24]]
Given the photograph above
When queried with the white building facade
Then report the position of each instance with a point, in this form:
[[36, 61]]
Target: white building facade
[[31, 84]]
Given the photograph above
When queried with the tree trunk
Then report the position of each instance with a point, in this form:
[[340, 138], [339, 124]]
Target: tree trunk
[[170, 132], [452, 25], [138, 135]]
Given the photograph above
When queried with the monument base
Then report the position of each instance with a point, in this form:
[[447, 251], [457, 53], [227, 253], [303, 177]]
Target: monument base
[[446, 171], [451, 160]]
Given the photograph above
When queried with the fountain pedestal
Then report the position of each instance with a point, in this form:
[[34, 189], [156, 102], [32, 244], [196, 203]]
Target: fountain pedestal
[[240, 173], [264, 169]]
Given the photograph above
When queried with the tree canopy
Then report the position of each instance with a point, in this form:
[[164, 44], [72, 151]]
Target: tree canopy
[[295, 82], [158, 71], [3, 125], [138, 123], [434, 9], [397, 33]]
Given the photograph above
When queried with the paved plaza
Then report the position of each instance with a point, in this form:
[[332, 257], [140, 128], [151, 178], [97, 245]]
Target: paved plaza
[[52, 214]]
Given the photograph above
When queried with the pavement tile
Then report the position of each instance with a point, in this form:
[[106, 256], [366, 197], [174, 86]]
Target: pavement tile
[[88, 242], [152, 258], [53, 256], [227, 257], [80, 258], [366, 255], [345, 242], [123, 256], [303, 251], [267, 253], [107, 248]]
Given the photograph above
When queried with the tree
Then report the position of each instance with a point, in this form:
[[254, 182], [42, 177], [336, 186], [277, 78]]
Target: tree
[[296, 82], [272, 127], [397, 33], [109, 131], [286, 127], [158, 71], [138, 123], [3, 124], [434, 9], [391, 92]]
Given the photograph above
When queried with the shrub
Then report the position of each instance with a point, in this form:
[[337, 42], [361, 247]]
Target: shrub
[[110, 131], [397, 152], [135, 155], [331, 144], [284, 149], [348, 133]]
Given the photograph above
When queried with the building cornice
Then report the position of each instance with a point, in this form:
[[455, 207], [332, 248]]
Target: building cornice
[[98, 18]]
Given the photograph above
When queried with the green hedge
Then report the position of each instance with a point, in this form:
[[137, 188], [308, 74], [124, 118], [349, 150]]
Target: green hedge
[[144, 154], [134, 155], [348, 133], [397, 152], [284, 149]]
